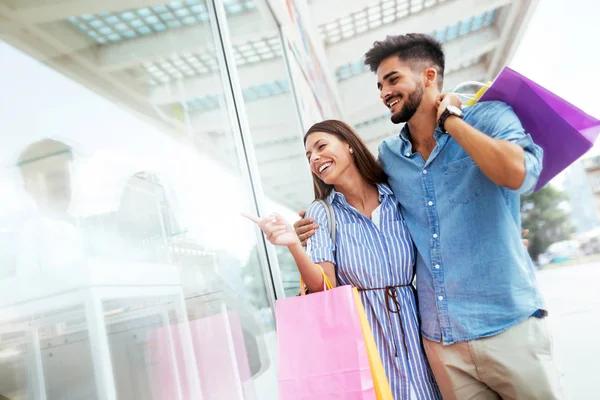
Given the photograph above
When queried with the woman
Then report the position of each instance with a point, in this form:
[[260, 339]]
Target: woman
[[373, 250]]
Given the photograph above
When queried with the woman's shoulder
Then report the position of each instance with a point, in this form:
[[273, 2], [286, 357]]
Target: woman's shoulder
[[385, 188], [317, 210]]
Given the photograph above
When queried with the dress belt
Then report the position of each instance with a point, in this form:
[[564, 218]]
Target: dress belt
[[393, 306]]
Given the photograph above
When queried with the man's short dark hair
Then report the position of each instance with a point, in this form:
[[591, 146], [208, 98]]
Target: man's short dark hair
[[415, 48], [41, 149]]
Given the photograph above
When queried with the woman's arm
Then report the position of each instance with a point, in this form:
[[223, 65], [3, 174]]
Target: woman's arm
[[310, 271], [280, 233]]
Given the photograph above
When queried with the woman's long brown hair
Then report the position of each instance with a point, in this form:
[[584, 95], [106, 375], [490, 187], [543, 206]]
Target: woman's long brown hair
[[365, 162]]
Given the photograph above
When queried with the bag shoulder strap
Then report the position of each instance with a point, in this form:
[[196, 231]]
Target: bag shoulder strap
[[331, 222]]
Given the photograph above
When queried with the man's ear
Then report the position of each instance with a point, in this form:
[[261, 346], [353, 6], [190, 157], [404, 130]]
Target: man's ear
[[430, 77]]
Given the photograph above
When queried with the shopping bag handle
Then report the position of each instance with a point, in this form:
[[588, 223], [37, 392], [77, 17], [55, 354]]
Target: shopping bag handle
[[472, 98], [469, 83], [326, 282]]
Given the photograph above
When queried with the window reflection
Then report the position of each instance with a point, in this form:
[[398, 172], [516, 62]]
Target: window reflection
[[125, 265], [274, 126], [47, 238]]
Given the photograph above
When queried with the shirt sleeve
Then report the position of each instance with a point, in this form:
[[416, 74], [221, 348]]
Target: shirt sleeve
[[507, 126], [320, 247], [383, 156], [380, 150]]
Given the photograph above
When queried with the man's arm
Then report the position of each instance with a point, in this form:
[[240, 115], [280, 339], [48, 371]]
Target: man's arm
[[503, 162], [305, 228], [501, 159]]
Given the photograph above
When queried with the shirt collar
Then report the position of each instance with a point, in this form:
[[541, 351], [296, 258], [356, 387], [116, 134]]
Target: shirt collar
[[331, 196], [383, 189], [405, 133]]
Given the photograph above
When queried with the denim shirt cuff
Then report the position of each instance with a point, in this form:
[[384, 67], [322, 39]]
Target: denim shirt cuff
[[533, 165]]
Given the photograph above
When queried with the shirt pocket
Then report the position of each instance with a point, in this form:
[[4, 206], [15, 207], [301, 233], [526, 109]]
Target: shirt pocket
[[463, 181]]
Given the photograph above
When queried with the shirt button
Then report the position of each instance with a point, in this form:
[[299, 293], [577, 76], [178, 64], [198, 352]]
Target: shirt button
[[440, 298], [424, 171], [437, 266], [435, 235], [407, 154], [430, 203]]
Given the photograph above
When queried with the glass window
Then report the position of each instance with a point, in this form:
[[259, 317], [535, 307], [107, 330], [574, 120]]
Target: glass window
[[273, 122], [126, 270]]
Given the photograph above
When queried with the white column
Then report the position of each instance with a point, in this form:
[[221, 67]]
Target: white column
[[105, 382], [232, 355], [189, 355], [37, 373]]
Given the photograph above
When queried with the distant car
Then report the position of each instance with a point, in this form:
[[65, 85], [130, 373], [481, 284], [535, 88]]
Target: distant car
[[560, 252], [590, 241]]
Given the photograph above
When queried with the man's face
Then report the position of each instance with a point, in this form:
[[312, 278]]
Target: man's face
[[48, 181], [400, 89]]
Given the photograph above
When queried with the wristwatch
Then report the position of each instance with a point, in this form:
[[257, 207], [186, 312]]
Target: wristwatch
[[450, 110]]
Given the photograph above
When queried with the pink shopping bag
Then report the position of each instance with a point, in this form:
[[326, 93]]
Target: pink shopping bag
[[561, 129], [322, 352], [221, 363]]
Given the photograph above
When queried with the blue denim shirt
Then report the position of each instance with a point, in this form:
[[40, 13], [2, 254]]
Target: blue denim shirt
[[474, 276]]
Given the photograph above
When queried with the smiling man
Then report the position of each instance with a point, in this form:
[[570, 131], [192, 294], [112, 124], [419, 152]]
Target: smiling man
[[458, 175]]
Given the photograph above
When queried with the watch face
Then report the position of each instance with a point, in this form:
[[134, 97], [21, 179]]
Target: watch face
[[455, 110]]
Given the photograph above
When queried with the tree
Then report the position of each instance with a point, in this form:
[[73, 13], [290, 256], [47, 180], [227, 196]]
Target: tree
[[547, 221]]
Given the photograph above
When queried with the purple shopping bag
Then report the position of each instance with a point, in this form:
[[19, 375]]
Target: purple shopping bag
[[561, 129], [322, 352]]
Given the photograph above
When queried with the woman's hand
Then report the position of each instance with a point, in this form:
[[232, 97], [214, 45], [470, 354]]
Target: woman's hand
[[277, 230]]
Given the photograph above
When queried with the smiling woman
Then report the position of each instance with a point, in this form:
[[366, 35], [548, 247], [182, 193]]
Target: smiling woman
[[335, 143], [372, 251]]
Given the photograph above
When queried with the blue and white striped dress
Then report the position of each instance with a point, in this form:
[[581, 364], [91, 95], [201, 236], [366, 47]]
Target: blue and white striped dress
[[370, 256]]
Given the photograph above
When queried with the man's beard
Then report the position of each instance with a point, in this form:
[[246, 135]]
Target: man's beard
[[410, 107]]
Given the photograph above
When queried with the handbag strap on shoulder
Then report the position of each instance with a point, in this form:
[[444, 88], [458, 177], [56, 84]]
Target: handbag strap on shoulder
[[331, 222]]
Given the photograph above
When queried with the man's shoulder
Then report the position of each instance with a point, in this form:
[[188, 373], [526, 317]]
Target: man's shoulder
[[392, 139], [486, 107], [392, 143]]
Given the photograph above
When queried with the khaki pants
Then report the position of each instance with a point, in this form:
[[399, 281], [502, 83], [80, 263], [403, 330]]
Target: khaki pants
[[515, 364]]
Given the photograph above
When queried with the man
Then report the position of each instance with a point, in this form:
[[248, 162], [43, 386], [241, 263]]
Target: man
[[458, 175], [48, 239]]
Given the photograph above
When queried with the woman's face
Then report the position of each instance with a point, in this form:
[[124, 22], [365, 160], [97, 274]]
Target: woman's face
[[328, 156]]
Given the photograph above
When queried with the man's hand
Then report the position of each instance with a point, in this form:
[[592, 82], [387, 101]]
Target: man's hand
[[524, 233], [446, 99], [501, 161], [305, 228]]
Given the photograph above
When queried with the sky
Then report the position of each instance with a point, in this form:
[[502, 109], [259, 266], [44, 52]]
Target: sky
[[559, 50]]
